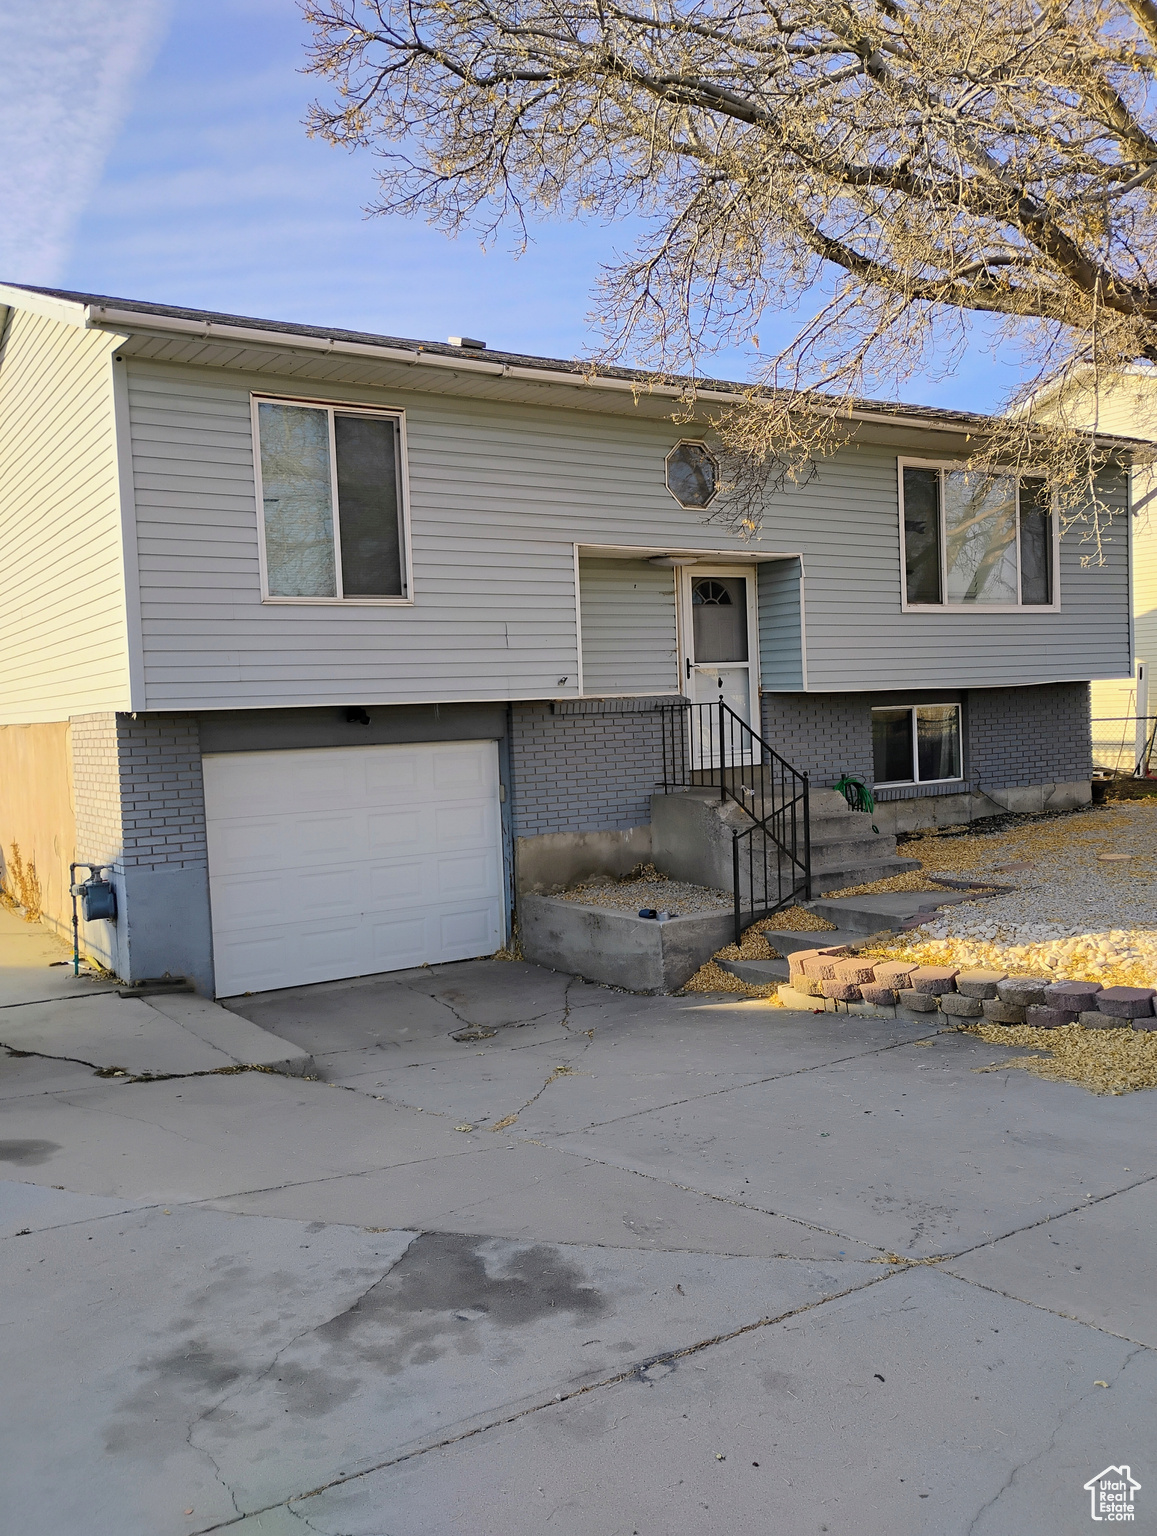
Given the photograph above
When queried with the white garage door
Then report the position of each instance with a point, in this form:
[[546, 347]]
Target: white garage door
[[344, 861]]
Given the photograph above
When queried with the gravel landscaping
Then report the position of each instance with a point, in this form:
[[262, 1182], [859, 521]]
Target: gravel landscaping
[[647, 889], [1084, 906]]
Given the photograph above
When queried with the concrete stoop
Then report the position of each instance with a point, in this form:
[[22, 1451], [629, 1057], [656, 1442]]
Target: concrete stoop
[[691, 839]]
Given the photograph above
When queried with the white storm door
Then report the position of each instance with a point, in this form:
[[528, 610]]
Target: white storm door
[[346, 861], [720, 643]]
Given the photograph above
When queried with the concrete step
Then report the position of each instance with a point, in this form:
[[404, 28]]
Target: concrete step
[[757, 973], [888, 909]]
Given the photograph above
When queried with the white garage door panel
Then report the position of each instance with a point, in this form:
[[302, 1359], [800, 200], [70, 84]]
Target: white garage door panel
[[345, 861]]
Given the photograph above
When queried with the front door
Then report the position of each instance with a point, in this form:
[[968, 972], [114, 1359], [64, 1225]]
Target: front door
[[720, 639]]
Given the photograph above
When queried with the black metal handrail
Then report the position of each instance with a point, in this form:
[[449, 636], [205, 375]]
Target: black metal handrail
[[710, 746]]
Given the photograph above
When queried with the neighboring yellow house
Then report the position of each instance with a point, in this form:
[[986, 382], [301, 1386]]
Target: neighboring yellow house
[[1127, 407]]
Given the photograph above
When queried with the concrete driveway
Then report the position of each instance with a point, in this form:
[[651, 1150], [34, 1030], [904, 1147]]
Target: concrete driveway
[[531, 1256]]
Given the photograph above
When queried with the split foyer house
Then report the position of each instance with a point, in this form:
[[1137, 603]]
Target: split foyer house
[[329, 644]]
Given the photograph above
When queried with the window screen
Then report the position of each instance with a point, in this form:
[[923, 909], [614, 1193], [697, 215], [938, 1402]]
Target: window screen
[[918, 744], [922, 534], [980, 538], [1036, 543], [974, 539], [892, 745], [296, 489], [367, 499], [719, 618], [314, 461]]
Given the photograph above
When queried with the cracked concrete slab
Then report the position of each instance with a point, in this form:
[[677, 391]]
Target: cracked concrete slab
[[701, 1153], [124, 1330], [920, 1404], [464, 1329], [28, 1208], [474, 1083], [199, 1137], [526, 1191], [904, 1148], [36, 966], [170, 1036], [23, 1074], [1096, 1265], [408, 1010]]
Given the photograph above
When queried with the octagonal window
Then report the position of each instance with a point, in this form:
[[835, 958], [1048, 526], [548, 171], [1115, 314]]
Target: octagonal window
[[692, 475]]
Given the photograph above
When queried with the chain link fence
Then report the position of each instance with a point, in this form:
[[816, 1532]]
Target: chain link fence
[[1123, 744]]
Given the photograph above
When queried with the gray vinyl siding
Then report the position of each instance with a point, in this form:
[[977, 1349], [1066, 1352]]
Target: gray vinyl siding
[[629, 639], [63, 635], [780, 628], [500, 493]]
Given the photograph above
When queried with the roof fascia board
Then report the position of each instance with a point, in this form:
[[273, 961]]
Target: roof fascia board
[[136, 321], [67, 311]]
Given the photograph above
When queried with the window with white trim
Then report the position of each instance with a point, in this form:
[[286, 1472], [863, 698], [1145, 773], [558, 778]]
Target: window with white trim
[[916, 745], [330, 494], [976, 541]]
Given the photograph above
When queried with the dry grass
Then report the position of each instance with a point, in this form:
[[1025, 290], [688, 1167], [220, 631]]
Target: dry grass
[[752, 946], [713, 978], [20, 885], [796, 920], [1110, 1061], [909, 880], [1091, 832]]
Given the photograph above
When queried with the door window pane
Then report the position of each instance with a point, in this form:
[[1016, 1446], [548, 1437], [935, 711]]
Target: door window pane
[[892, 745], [922, 535], [1036, 543], [938, 741], [367, 499], [980, 536], [297, 497], [719, 617]]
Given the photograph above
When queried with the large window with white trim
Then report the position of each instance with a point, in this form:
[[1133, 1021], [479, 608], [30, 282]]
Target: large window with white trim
[[918, 744], [330, 493], [976, 541]]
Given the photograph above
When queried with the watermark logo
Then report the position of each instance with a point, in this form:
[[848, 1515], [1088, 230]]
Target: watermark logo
[[1112, 1494]]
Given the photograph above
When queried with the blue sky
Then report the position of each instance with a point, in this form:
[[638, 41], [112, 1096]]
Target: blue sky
[[178, 171]]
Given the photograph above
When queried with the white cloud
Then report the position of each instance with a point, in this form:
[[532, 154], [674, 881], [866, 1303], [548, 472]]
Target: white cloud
[[69, 68]]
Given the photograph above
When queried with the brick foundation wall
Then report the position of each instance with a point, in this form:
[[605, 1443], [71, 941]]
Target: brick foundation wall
[[139, 796], [1022, 736], [162, 796], [823, 734], [1013, 737], [96, 788], [591, 766]]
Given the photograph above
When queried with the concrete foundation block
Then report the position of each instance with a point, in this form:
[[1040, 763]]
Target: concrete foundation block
[[980, 984], [1041, 1017], [1076, 995], [1022, 991], [1126, 1002], [960, 1007], [919, 1002], [997, 1012], [933, 979], [603, 944]]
